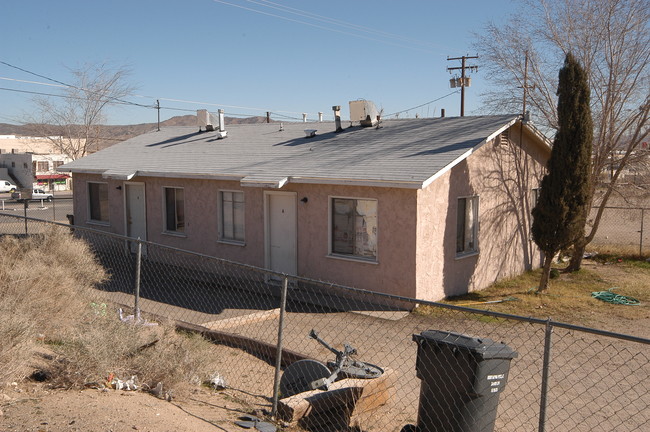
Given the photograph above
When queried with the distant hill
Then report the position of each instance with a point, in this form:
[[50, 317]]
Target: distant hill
[[117, 133]]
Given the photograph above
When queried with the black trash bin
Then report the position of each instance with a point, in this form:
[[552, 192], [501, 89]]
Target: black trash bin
[[462, 378]]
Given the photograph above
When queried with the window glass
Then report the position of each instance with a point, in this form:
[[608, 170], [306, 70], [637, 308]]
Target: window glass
[[467, 224], [174, 210], [232, 216], [354, 227], [98, 201]]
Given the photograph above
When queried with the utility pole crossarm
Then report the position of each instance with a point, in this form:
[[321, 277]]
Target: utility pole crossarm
[[463, 82]]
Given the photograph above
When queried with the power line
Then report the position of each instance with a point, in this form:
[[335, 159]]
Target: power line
[[31, 82], [230, 114], [169, 108], [65, 96], [424, 104], [341, 23], [219, 105], [320, 26], [75, 87], [141, 96]]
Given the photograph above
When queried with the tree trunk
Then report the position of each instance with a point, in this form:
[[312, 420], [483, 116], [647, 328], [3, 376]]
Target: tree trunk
[[546, 273], [577, 255]]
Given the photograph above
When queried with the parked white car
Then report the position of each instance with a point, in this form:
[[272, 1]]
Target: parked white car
[[37, 195], [7, 186]]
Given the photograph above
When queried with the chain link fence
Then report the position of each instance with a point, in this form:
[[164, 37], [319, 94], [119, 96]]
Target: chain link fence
[[624, 229], [510, 373]]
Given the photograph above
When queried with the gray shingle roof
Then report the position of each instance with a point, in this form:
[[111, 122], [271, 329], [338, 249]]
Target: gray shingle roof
[[402, 153]]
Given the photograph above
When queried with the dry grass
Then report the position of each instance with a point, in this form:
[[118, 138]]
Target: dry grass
[[47, 295], [102, 345], [569, 296], [42, 278]]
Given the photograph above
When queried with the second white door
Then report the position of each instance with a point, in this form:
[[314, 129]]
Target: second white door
[[281, 232]]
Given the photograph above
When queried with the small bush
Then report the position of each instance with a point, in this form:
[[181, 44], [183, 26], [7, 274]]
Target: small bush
[[43, 280], [46, 293], [104, 345]]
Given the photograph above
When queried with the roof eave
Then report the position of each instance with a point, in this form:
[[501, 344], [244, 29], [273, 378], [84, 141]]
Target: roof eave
[[400, 184]]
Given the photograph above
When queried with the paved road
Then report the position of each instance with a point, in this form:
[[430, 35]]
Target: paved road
[[55, 210]]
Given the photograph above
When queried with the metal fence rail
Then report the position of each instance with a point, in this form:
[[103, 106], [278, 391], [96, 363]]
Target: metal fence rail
[[562, 377]]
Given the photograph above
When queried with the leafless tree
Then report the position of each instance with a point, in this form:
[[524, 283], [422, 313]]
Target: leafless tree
[[611, 39], [73, 122]]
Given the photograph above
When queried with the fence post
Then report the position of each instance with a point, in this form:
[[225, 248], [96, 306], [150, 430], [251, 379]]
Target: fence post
[[641, 238], [138, 263], [278, 356], [545, 375], [26, 204]]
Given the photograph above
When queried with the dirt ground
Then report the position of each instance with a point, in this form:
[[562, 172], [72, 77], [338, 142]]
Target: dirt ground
[[31, 406], [34, 407], [384, 340]]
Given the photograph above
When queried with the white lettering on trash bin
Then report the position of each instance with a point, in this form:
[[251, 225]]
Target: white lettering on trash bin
[[496, 377]]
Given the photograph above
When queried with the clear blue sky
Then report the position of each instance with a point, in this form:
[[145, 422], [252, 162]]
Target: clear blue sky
[[209, 51]]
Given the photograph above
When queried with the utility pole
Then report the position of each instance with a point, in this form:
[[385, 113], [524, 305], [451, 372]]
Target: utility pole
[[158, 108], [526, 86], [464, 81]]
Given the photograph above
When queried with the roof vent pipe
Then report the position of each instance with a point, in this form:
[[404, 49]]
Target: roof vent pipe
[[337, 117], [320, 116], [222, 121], [442, 112], [304, 117]]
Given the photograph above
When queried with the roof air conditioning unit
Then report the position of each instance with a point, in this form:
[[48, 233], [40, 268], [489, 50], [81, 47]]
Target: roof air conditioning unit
[[364, 112], [204, 119]]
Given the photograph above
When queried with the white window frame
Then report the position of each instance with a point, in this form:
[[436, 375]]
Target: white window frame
[[468, 247], [90, 219], [534, 192], [330, 237], [223, 237], [177, 231]]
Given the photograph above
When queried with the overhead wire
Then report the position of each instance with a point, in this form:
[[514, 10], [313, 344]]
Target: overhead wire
[[262, 3], [63, 96], [162, 107], [424, 104], [118, 101], [73, 86], [142, 96], [320, 26], [322, 18]]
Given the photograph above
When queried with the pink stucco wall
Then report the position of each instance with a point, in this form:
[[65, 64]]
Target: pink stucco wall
[[416, 239], [502, 176], [393, 272]]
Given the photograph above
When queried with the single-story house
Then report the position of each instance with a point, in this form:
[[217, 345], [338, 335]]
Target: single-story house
[[424, 208]]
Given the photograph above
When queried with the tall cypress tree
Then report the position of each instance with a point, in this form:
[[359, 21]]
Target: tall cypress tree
[[560, 213]]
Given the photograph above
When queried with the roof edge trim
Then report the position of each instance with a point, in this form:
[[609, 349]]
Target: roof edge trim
[[501, 129], [358, 182], [451, 164]]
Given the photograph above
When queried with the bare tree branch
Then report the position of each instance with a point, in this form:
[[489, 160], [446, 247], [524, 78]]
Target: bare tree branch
[[611, 39], [73, 124]]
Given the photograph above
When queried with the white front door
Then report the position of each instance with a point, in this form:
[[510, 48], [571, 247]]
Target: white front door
[[281, 232], [136, 219]]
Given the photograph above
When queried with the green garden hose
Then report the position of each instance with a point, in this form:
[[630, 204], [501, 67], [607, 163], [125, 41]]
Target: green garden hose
[[611, 297]]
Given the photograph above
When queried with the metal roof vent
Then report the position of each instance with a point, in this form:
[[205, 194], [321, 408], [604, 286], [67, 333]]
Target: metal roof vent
[[364, 112], [310, 133], [207, 121], [204, 119]]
